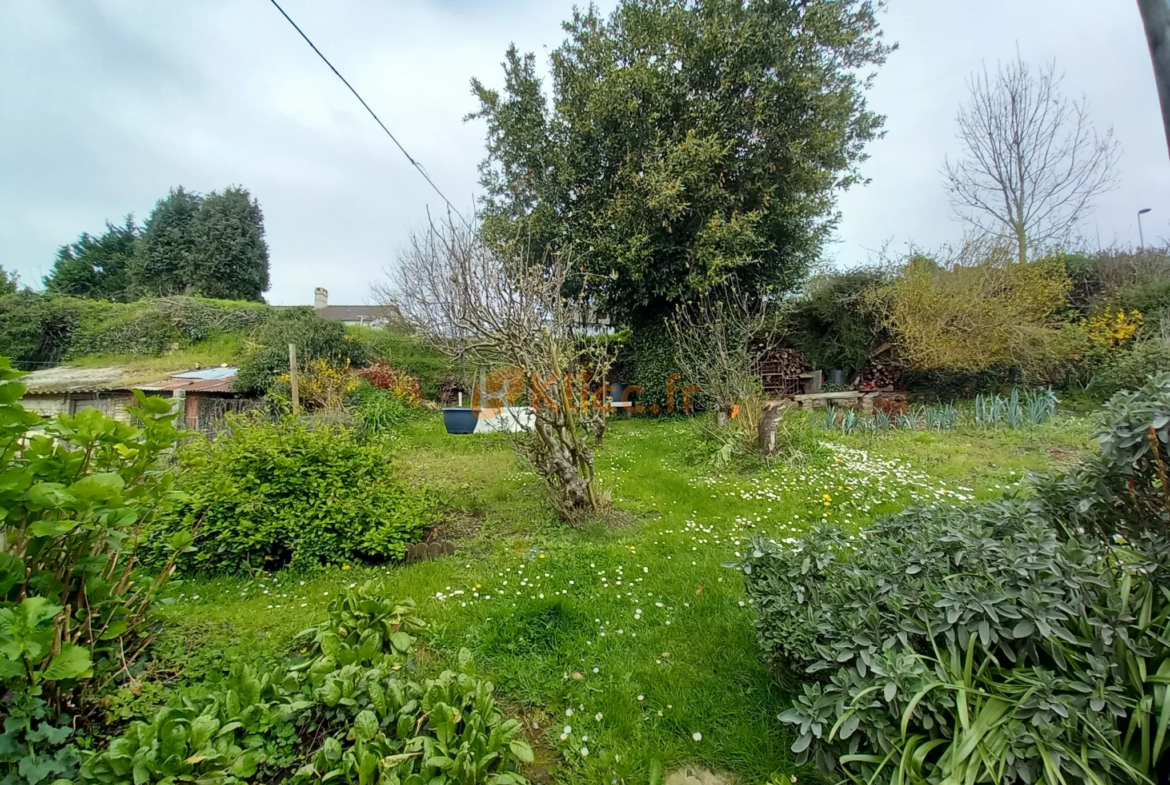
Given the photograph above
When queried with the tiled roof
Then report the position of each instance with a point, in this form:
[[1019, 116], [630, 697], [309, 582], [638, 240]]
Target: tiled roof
[[356, 313]]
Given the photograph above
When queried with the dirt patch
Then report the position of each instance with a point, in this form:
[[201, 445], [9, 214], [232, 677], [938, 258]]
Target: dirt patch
[[693, 775], [534, 724], [1063, 454], [457, 525]]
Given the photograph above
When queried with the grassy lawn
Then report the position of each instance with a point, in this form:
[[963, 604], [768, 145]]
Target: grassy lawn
[[633, 643]]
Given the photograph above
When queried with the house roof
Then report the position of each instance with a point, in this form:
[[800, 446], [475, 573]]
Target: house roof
[[356, 313], [63, 379]]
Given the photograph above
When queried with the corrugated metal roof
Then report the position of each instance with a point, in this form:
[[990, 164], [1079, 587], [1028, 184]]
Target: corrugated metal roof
[[222, 372], [189, 385], [201, 380]]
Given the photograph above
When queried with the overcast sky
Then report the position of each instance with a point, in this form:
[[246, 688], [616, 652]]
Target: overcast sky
[[105, 104]]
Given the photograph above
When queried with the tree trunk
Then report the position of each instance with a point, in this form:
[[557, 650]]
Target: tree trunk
[[559, 463], [723, 415]]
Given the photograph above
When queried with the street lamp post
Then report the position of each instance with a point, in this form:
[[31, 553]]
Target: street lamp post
[[1141, 234]]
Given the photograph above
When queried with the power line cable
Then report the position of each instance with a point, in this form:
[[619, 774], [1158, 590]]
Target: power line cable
[[344, 81]]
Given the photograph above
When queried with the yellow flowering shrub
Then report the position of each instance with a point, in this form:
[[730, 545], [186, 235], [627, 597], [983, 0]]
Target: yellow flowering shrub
[[1115, 327], [324, 386]]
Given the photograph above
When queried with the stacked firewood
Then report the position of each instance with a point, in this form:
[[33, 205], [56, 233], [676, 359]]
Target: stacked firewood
[[780, 370], [880, 374]]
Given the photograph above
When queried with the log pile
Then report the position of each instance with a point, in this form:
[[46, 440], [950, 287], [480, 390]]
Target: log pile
[[880, 374], [780, 371]]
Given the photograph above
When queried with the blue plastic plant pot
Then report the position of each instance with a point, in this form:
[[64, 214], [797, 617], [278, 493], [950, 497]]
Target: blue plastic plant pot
[[459, 419]]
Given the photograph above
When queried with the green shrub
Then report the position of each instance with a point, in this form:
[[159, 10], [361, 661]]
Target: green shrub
[[1131, 368], [130, 330], [653, 364], [381, 412], [36, 329], [74, 495], [346, 710], [1022, 640], [832, 323], [149, 328], [407, 352], [315, 339], [285, 493]]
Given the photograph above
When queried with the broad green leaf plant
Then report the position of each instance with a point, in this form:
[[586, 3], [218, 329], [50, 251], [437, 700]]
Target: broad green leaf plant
[[75, 495], [347, 700]]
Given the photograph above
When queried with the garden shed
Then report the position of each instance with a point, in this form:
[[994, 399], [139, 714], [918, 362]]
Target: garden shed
[[208, 395], [65, 390], [207, 392]]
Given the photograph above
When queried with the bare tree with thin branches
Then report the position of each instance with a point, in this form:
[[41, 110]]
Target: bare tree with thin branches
[[500, 310], [1032, 163]]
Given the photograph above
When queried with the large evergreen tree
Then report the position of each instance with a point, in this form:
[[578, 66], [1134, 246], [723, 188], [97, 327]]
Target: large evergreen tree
[[687, 141], [166, 246], [8, 282], [229, 257], [96, 267]]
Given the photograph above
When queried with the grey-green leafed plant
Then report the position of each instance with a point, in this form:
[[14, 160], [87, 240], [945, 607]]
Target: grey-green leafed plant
[[830, 421], [1025, 640]]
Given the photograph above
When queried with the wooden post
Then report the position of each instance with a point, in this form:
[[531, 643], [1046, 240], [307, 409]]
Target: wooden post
[[292, 378]]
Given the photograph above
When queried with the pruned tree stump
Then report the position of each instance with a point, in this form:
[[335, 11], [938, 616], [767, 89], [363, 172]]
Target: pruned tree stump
[[768, 425]]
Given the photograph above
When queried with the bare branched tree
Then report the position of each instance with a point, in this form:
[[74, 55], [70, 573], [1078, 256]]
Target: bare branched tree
[[1032, 162], [717, 340], [500, 311]]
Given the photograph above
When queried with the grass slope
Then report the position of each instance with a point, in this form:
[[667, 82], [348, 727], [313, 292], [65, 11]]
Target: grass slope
[[637, 640]]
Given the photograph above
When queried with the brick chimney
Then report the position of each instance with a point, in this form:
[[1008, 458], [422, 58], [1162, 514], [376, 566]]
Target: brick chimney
[[320, 298]]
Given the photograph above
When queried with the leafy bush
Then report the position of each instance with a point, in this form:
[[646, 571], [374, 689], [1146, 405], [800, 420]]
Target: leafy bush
[[975, 317], [1023, 640], [380, 412], [382, 375], [833, 323], [315, 338], [37, 329], [284, 493], [351, 689], [321, 385], [1130, 369], [653, 361], [149, 328], [74, 494], [406, 352]]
